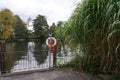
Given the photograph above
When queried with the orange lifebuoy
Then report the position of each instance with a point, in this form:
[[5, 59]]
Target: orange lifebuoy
[[51, 42]]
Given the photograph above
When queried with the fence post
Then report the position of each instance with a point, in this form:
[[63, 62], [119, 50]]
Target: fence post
[[50, 59], [51, 43], [2, 57], [54, 57]]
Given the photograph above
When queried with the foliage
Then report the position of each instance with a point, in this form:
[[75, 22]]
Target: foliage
[[7, 22], [76, 62], [95, 25], [20, 30], [59, 34], [60, 23], [53, 28], [31, 33], [40, 27]]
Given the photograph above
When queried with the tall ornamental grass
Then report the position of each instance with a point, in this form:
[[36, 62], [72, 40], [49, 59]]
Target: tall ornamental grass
[[95, 26]]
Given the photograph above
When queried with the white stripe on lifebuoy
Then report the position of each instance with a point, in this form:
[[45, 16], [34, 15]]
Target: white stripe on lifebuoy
[[55, 41]]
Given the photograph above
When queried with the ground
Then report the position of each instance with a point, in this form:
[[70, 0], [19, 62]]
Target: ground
[[50, 75]]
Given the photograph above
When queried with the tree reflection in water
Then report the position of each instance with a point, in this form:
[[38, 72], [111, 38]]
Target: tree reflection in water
[[19, 51], [40, 52], [14, 52]]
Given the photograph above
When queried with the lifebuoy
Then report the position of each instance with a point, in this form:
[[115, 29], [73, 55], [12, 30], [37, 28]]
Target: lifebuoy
[[51, 42]]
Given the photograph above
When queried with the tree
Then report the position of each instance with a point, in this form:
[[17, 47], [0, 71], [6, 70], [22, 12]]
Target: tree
[[60, 23], [56, 29], [40, 27], [20, 30], [7, 22], [53, 28]]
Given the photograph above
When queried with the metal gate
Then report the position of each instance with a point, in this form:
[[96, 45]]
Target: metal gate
[[32, 57], [25, 61]]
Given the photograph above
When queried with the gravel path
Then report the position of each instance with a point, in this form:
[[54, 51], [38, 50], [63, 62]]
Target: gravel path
[[50, 75]]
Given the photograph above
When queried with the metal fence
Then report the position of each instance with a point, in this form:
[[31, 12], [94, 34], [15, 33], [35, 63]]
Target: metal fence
[[18, 61]]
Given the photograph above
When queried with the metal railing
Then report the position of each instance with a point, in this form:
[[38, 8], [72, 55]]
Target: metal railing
[[18, 61]]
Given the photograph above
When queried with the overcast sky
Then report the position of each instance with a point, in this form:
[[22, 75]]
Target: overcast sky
[[54, 10]]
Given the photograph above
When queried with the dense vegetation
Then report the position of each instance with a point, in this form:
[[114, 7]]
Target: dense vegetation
[[94, 28]]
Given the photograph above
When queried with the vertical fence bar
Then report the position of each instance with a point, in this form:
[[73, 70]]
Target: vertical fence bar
[[49, 58]]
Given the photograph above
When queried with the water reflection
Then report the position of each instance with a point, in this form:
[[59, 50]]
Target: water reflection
[[21, 56], [40, 52]]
